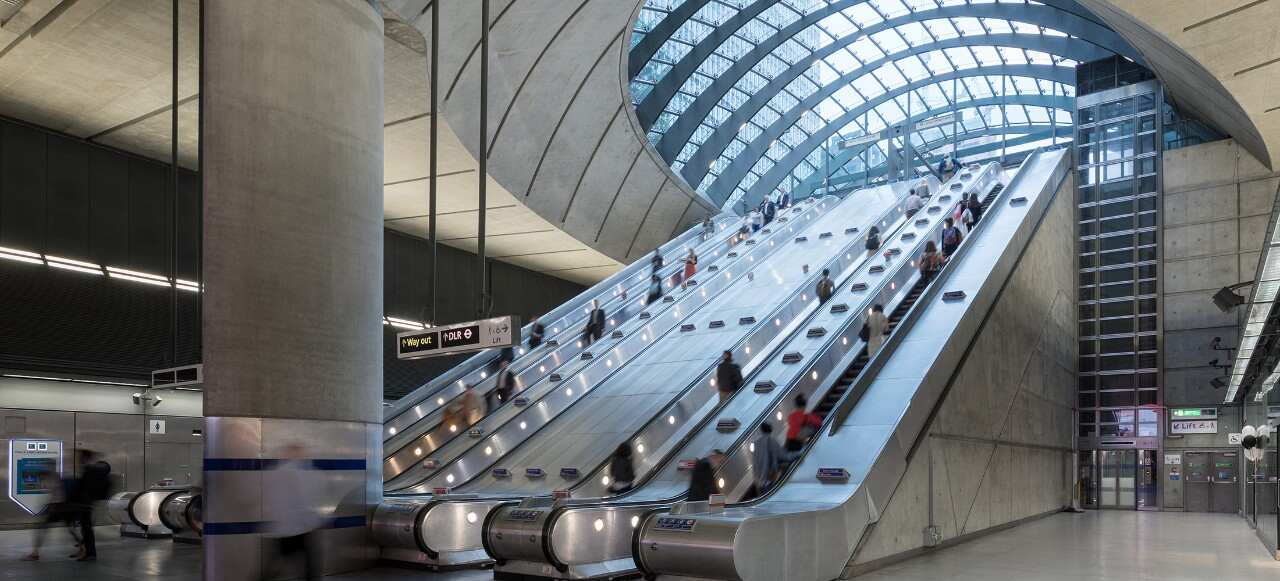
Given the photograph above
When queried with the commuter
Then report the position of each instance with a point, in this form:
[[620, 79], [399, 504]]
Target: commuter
[[656, 262], [59, 512], [966, 217], [292, 505], [93, 486], [930, 262], [595, 324], [690, 268], [874, 330], [536, 334], [801, 425], [702, 482], [728, 376], [914, 203], [622, 472], [975, 208], [506, 383], [766, 460], [958, 210], [655, 290], [826, 288], [873, 241], [463, 410], [770, 210], [947, 167], [922, 188], [708, 228], [757, 220], [951, 238], [784, 202]]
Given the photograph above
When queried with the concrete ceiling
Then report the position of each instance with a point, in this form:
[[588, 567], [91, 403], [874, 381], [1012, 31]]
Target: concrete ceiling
[[100, 70], [1220, 58]]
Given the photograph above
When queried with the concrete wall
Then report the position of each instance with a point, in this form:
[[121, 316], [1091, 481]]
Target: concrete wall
[[998, 448], [1217, 201]]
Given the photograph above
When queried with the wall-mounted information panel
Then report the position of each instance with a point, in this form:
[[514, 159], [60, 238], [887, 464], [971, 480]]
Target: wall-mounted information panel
[[35, 470], [493, 333]]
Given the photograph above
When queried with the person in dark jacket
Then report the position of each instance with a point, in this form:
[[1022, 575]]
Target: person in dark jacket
[[655, 290], [826, 287], [702, 481], [94, 486], [595, 324], [873, 241], [622, 473], [656, 261], [506, 383], [728, 376], [975, 208], [536, 334]]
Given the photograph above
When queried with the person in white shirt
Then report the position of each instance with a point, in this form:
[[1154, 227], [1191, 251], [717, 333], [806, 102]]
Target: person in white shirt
[[914, 203], [292, 506]]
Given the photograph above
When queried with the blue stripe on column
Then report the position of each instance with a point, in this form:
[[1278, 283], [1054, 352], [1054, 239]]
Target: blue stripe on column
[[251, 527], [259, 464]]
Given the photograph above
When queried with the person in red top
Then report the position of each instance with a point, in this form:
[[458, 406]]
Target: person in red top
[[801, 425]]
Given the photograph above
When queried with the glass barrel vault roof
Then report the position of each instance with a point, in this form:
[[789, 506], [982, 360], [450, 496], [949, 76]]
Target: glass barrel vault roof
[[742, 96]]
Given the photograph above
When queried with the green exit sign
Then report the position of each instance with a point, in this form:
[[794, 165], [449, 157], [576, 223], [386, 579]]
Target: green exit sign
[[1200, 413]]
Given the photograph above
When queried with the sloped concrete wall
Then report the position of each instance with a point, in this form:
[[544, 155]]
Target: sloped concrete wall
[[999, 443]]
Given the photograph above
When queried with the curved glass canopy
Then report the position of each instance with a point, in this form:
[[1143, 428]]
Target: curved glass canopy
[[746, 98]]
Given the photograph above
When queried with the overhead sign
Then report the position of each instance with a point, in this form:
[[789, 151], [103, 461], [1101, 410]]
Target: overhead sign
[[938, 121], [35, 473], [856, 141], [1197, 413], [461, 337], [1193, 427]]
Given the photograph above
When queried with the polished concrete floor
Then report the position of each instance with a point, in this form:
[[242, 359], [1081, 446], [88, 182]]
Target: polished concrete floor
[[1099, 546]]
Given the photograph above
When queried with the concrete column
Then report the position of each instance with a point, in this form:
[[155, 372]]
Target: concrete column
[[293, 271]]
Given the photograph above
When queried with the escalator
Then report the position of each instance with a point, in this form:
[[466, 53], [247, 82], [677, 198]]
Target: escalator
[[810, 522], [527, 537], [851, 374]]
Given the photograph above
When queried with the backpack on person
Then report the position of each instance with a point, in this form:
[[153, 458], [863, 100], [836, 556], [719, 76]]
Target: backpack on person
[[865, 333], [951, 237]]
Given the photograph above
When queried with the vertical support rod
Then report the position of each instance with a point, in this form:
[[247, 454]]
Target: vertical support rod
[[1053, 116], [866, 153], [955, 121], [484, 149], [826, 160], [173, 162], [434, 156], [1004, 118]]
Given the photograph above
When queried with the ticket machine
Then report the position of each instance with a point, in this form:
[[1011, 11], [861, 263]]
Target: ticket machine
[[35, 470]]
